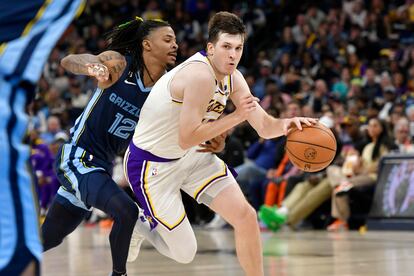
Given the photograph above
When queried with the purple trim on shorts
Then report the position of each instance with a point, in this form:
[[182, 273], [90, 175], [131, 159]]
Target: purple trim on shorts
[[136, 174], [136, 168], [146, 155], [210, 182]]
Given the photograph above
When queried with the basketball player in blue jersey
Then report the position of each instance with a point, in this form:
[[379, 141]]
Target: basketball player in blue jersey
[[139, 54], [28, 32], [186, 105]]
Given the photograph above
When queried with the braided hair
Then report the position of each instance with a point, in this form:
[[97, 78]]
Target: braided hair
[[127, 39]]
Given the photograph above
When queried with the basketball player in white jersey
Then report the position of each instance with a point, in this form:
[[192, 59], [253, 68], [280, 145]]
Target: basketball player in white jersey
[[182, 112]]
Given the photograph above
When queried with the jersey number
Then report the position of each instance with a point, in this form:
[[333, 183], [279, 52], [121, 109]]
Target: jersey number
[[122, 127]]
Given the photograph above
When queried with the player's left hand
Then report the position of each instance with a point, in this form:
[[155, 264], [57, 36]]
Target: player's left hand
[[214, 145], [297, 121]]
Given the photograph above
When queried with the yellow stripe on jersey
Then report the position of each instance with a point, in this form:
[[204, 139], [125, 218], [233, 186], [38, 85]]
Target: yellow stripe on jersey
[[210, 181], [36, 18], [230, 85], [80, 9], [64, 173], [2, 47], [151, 204], [29, 25]]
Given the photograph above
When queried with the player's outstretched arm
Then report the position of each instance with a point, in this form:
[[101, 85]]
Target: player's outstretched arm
[[106, 67], [266, 126]]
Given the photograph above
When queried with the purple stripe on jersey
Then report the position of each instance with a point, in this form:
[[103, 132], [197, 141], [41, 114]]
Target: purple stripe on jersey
[[140, 154], [136, 173], [233, 171], [203, 52]]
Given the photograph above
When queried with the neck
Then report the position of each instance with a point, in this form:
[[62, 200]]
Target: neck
[[219, 76], [152, 71]]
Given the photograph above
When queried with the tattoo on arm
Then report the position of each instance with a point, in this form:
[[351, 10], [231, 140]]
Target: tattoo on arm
[[76, 63]]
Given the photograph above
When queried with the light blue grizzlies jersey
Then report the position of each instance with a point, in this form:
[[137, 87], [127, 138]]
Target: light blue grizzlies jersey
[[107, 124], [28, 32]]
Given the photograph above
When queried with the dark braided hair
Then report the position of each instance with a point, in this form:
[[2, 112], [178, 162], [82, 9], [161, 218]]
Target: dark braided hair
[[381, 140], [127, 39]]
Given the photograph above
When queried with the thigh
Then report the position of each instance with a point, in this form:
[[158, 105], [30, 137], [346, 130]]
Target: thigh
[[97, 188], [209, 176], [156, 186]]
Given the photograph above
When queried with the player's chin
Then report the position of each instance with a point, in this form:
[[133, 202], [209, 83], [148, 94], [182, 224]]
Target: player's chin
[[171, 63], [228, 70]]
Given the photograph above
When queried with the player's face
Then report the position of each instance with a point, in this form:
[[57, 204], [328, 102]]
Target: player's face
[[163, 45], [226, 53]]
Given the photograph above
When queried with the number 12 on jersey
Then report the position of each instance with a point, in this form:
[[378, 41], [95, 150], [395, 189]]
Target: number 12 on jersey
[[122, 127]]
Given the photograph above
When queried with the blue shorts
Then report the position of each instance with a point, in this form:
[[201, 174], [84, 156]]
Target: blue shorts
[[85, 180]]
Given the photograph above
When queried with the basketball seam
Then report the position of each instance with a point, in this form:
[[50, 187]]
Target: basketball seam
[[306, 160], [301, 142], [318, 127]]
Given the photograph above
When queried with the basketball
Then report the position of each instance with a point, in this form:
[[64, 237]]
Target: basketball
[[311, 149]]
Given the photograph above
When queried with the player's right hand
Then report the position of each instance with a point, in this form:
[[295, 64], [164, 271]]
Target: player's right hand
[[99, 71], [246, 105], [113, 64]]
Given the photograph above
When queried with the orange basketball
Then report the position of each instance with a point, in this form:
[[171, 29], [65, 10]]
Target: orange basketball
[[311, 149]]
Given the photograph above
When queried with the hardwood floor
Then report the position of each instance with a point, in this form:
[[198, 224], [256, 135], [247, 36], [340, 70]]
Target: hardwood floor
[[86, 252]]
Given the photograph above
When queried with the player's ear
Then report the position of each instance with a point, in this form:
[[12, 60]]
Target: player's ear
[[210, 49], [146, 45]]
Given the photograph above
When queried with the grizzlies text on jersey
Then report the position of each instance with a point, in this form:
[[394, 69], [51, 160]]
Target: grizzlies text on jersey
[[107, 124]]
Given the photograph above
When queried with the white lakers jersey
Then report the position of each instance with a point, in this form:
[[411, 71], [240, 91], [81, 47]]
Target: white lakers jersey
[[157, 128]]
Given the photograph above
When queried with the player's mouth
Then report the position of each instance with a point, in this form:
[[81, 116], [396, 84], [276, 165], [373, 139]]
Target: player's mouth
[[173, 55]]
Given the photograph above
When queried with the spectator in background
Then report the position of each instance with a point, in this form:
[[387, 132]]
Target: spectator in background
[[305, 197], [410, 115], [371, 88], [364, 173], [265, 72], [402, 136], [42, 164], [53, 128], [78, 99]]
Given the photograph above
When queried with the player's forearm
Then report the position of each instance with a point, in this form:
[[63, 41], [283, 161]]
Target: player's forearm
[[272, 128], [192, 137], [76, 64], [266, 126]]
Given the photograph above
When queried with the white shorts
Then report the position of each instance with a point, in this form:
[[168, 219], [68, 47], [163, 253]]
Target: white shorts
[[157, 182]]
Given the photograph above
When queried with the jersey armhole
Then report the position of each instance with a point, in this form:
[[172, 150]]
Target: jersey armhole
[[178, 70]]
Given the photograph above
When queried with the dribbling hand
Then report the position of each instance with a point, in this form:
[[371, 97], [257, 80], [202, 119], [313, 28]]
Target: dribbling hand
[[297, 121]]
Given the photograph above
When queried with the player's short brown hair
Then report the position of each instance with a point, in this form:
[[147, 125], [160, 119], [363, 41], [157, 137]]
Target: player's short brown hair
[[225, 22]]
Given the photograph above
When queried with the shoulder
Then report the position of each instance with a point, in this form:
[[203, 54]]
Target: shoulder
[[239, 82], [196, 72]]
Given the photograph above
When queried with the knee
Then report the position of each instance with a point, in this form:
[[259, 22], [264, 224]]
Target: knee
[[245, 217], [186, 252], [127, 214]]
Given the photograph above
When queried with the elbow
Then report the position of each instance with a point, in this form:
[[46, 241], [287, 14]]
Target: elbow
[[65, 61], [184, 143]]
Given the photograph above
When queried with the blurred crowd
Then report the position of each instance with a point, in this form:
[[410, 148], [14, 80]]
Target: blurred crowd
[[350, 63]]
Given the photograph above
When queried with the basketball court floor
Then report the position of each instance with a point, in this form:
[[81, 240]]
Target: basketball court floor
[[86, 252]]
